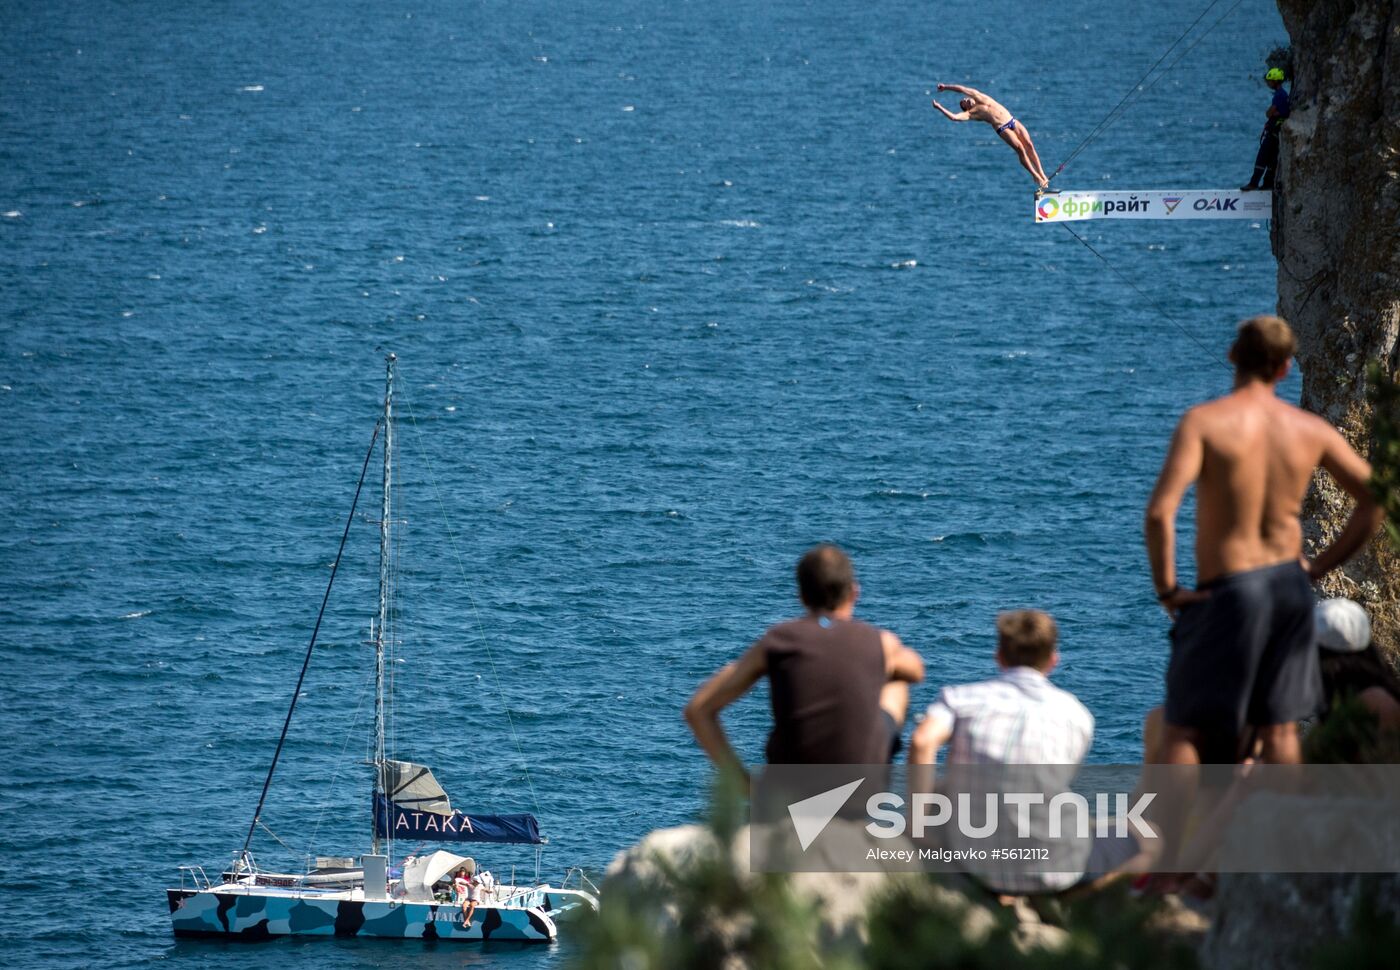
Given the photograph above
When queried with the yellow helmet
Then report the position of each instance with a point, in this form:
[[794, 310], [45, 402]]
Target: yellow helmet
[[1275, 74]]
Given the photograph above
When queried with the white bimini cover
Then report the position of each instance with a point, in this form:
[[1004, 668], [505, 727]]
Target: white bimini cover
[[1172, 204], [420, 873]]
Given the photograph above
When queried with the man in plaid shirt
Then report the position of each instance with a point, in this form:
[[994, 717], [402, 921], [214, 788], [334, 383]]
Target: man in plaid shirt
[[1018, 718]]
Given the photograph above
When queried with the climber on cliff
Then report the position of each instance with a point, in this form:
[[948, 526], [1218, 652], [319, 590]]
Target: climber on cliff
[[977, 106], [1266, 162]]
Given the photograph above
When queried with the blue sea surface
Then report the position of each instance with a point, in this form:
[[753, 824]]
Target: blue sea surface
[[677, 291]]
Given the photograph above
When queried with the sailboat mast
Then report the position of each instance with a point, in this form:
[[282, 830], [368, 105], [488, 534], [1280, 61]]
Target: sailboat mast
[[385, 552]]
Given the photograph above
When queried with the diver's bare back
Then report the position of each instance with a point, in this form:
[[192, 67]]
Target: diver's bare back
[[1258, 456]]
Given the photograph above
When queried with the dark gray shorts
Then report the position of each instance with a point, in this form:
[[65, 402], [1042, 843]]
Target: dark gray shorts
[[1247, 655]]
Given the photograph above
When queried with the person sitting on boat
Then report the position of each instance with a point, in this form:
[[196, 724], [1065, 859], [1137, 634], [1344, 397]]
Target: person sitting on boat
[[468, 895], [839, 687], [486, 883], [977, 106]]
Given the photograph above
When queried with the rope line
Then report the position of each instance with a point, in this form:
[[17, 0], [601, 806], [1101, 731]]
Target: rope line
[[1160, 308], [1138, 88], [263, 825], [471, 600]]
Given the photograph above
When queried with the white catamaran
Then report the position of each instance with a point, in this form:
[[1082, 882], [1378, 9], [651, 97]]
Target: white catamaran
[[337, 896]]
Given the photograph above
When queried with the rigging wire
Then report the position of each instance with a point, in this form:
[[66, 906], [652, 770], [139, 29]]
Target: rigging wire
[[1119, 109], [1194, 44], [1117, 112], [340, 763], [395, 618], [315, 631], [1160, 308], [263, 825], [396, 635], [476, 613]]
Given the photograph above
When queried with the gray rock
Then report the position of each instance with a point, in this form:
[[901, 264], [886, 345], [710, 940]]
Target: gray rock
[[1277, 920], [1333, 232]]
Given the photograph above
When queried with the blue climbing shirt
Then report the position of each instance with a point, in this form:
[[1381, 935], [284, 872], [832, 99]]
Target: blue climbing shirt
[[1280, 105]]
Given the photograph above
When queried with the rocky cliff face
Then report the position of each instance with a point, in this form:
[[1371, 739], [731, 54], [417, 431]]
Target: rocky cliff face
[[1336, 234], [1281, 920]]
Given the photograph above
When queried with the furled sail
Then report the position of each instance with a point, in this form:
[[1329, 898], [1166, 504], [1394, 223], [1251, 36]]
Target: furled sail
[[413, 788], [392, 820]]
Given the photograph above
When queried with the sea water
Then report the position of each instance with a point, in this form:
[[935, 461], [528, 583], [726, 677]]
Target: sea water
[[677, 291]]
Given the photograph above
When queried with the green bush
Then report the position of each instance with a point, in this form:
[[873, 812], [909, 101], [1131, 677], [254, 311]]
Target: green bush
[[1350, 735], [915, 928], [1372, 944]]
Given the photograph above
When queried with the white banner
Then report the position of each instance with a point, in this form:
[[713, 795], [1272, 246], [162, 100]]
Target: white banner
[[1179, 204]]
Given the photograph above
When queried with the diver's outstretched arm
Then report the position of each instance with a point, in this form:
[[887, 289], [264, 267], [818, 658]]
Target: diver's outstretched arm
[[970, 92], [960, 116]]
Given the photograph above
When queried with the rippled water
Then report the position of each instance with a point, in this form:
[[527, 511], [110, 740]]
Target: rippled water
[[678, 290]]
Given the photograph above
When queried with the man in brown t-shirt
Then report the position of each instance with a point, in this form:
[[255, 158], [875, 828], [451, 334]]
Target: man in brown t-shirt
[[840, 687]]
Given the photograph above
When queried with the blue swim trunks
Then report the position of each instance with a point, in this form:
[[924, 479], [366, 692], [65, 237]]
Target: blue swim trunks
[[1010, 124]]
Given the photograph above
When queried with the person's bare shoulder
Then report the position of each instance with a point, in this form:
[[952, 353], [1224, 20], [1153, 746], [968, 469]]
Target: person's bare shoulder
[[1199, 417], [1216, 417], [1304, 423], [1301, 415], [892, 646]]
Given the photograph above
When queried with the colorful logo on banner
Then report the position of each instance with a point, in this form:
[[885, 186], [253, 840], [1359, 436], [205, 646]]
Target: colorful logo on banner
[[1171, 202], [1048, 208]]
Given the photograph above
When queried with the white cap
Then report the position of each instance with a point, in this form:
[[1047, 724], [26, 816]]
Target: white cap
[[1342, 626]]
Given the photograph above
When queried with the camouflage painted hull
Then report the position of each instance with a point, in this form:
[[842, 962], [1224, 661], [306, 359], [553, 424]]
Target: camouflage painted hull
[[258, 915], [567, 905]]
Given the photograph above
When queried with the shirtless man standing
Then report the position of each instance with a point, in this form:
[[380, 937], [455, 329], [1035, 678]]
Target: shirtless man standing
[[1242, 647], [977, 106]]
